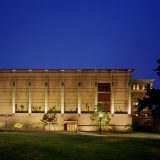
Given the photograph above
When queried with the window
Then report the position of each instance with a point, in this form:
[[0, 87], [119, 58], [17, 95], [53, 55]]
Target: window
[[103, 97], [143, 87], [135, 103], [104, 94], [134, 87], [104, 87], [137, 86]]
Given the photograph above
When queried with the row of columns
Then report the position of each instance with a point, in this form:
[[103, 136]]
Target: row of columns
[[45, 98], [113, 95], [62, 98]]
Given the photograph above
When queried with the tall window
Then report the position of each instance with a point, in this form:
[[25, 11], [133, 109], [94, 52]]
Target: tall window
[[104, 95]]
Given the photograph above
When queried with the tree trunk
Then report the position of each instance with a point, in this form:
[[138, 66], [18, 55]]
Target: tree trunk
[[6, 125], [49, 127]]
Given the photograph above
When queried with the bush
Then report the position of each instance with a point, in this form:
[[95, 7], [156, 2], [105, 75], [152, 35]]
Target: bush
[[18, 125]]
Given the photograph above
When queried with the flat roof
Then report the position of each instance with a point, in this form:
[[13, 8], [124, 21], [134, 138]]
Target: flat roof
[[64, 70], [142, 80]]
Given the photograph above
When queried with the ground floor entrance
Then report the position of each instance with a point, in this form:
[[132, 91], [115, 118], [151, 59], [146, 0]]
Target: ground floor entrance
[[70, 125]]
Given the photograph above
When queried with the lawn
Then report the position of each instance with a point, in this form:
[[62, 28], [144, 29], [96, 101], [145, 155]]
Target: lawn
[[71, 146]]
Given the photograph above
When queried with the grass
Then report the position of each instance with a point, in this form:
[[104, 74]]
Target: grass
[[71, 146]]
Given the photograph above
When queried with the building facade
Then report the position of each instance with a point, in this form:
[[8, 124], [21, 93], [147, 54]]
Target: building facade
[[142, 120], [26, 95]]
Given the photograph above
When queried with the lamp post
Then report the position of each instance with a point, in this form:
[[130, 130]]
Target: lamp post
[[100, 119]]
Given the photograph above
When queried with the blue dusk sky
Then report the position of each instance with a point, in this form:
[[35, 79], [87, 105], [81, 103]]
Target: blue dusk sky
[[86, 34]]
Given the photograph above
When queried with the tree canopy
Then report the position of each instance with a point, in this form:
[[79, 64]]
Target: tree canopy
[[100, 112], [151, 100], [152, 97], [50, 117], [158, 68]]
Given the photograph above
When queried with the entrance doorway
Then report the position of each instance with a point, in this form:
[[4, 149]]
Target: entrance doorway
[[70, 126]]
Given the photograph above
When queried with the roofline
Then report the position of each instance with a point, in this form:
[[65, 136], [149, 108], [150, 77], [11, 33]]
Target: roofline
[[63, 70], [143, 80]]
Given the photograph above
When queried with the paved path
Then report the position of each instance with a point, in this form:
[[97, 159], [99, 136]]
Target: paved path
[[137, 135], [91, 134]]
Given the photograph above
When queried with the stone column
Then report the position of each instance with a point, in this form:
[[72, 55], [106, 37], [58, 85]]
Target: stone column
[[96, 94], [13, 97], [96, 91], [62, 98], [79, 97], [46, 98], [62, 93], [129, 97], [30, 98], [112, 96]]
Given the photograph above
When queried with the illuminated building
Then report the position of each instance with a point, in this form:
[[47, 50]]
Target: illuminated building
[[142, 120], [28, 94]]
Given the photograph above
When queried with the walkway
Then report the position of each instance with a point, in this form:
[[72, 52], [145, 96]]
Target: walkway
[[136, 135]]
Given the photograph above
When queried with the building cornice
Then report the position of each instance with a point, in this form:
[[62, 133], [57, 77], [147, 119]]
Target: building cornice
[[64, 70]]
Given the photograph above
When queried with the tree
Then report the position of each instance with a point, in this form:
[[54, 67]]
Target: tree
[[18, 125], [50, 117], [36, 125], [100, 116], [158, 68], [5, 117], [152, 100]]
